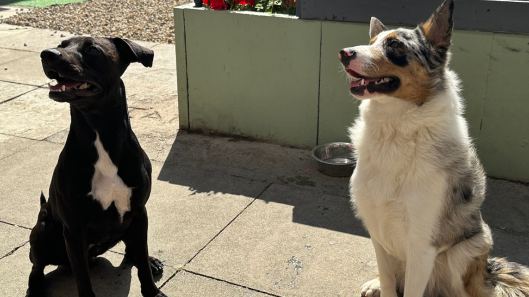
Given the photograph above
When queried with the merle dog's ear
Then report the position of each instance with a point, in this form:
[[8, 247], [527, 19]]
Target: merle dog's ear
[[133, 52], [438, 29], [42, 198], [375, 27]]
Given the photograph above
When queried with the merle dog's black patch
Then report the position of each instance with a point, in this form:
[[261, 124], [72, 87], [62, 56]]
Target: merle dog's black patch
[[397, 52]]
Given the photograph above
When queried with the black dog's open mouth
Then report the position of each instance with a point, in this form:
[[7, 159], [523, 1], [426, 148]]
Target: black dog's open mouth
[[384, 84], [68, 87]]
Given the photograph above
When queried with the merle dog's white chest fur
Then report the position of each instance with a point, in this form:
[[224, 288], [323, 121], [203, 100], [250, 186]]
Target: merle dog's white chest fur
[[107, 186]]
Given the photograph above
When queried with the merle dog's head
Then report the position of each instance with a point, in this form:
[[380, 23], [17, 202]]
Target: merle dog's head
[[402, 63], [89, 68]]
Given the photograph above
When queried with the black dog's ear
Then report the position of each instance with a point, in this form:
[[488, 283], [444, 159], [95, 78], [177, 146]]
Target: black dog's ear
[[42, 198], [438, 28], [375, 27], [132, 52]]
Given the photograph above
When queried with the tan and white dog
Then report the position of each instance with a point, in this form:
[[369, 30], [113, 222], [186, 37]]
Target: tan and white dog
[[418, 184]]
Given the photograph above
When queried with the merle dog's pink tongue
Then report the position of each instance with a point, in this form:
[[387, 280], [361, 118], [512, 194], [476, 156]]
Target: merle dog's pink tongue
[[69, 84]]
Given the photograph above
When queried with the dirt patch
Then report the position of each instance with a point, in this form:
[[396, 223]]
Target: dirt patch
[[147, 20]]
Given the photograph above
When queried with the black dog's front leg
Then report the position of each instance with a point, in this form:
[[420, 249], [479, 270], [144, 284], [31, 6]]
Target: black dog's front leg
[[36, 282], [136, 241], [77, 253]]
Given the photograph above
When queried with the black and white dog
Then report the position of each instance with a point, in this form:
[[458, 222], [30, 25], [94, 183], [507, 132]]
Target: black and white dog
[[102, 180]]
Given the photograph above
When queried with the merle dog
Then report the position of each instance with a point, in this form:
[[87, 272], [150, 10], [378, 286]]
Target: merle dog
[[102, 180]]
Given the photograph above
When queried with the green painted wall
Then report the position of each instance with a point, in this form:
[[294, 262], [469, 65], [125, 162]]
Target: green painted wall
[[181, 68], [252, 75], [504, 137], [338, 108], [260, 76]]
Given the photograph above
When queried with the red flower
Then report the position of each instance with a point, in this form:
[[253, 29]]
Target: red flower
[[216, 4], [245, 2]]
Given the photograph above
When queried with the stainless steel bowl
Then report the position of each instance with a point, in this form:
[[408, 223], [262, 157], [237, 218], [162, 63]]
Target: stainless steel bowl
[[335, 158]]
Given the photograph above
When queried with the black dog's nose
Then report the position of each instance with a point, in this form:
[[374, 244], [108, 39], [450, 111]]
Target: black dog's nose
[[50, 54], [346, 55]]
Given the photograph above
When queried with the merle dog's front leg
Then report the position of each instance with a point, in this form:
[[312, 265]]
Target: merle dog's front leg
[[78, 255], [136, 241]]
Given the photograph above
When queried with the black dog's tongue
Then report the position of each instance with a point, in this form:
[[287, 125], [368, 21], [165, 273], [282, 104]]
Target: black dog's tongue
[[66, 85]]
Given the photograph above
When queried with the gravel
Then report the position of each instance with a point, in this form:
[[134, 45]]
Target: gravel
[[147, 20]]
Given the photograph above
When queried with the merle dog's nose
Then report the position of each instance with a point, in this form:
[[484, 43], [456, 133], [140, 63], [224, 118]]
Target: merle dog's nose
[[50, 54], [346, 55]]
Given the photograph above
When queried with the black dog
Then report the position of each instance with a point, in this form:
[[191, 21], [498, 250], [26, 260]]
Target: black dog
[[103, 177]]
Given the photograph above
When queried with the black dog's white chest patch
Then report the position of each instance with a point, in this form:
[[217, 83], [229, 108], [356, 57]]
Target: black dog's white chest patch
[[107, 186]]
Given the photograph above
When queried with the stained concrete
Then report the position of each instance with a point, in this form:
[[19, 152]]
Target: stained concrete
[[186, 284], [12, 238], [22, 67], [293, 242], [12, 90], [34, 40], [33, 115], [23, 176], [12, 144], [15, 271]]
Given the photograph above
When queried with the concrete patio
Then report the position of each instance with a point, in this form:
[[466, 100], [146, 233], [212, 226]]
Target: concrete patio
[[228, 217]]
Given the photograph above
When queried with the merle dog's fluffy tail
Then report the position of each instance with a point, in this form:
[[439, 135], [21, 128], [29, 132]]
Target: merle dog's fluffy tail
[[508, 278]]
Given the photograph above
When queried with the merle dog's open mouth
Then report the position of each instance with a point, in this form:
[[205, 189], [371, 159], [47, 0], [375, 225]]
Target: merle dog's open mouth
[[384, 84], [65, 86]]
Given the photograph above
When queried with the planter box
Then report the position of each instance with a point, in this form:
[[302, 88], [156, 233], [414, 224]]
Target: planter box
[[278, 78]]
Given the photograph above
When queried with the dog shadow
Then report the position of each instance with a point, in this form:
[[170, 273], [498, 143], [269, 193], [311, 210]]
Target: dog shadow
[[200, 162], [217, 164], [107, 279]]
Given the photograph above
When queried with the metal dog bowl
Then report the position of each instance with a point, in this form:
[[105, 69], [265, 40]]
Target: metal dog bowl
[[335, 159]]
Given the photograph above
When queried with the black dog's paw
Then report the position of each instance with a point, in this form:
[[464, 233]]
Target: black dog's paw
[[93, 262], [156, 267], [161, 294], [35, 293]]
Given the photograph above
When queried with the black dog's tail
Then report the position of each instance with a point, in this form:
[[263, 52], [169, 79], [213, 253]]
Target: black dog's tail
[[508, 278], [42, 198]]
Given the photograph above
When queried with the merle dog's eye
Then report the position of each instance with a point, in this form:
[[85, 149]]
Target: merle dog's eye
[[395, 44]]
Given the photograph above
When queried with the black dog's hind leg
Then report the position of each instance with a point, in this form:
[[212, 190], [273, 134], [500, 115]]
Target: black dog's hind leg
[[36, 282], [156, 265], [78, 255], [136, 242]]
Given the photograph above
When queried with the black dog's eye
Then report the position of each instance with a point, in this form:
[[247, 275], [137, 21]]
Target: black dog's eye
[[64, 43], [93, 50]]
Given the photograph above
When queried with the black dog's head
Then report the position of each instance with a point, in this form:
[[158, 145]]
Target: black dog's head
[[87, 68]]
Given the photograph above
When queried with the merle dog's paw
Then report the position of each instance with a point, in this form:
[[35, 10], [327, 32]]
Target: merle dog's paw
[[371, 288], [156, 267]]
